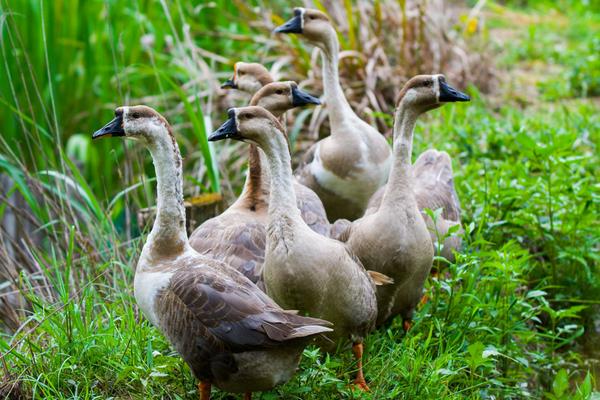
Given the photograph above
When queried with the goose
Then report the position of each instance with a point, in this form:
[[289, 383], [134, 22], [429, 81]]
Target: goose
[[347, 167], [434, 188], [394, 239], [278, 98], [248, 77], [434, 183], [238, 235], [303, 270], [251, 78], [229, 332]]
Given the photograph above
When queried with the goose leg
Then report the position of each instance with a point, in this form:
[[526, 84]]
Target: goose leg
[[407, 324], [359, 381], [248, 396], [204, 390]]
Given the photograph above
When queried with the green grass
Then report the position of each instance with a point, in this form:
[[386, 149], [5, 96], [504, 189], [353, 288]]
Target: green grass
[[499, 323], [562, 36], [513, 318]]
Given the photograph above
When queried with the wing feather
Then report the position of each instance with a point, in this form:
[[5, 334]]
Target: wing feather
[[209, 315], [236, 240], [312, 210]]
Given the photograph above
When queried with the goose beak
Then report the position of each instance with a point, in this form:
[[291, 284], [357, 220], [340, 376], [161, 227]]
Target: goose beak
[[294, 25], [113, 128], [449, 94], [226, 131], [301, 98], [229, 84]]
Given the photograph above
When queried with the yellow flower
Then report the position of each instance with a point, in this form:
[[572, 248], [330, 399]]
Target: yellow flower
[[471, 26]]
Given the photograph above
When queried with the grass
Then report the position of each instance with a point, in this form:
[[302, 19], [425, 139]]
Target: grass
[[515, 316], [553, 43]]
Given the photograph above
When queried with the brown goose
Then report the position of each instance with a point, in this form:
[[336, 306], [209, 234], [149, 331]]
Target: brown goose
[[227, 330], [434, 188], [248, 77], [394, 239], [347, 167], [304, 270], [238, 236]]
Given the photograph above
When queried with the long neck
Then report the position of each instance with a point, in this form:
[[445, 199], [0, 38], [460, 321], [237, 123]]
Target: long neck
[[256, 189], [338, 105], [168, 236], [399, 186], [255, 195], [282, 201]]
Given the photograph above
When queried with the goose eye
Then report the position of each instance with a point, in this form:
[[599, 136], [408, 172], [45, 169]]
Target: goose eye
[[135, 115], [279, 91], [240, 73]]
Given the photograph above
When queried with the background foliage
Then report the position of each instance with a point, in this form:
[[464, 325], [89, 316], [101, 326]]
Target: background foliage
[[516, 316]]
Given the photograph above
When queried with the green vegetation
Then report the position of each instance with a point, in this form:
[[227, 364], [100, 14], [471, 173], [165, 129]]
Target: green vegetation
[[515, 317], [560, 48]]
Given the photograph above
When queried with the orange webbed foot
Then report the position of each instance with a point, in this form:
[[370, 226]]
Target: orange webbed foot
[[360, 385]]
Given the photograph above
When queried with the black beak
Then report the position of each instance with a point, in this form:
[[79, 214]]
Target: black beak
[[226, 131], [229, 84], [294, 25], [301, 98], [113, 128], [449, 94]]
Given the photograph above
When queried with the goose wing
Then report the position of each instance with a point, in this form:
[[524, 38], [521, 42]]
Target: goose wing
[[237, 241], [434, 186], [340, 230], [209, 312], [375, 200], [312, 210]]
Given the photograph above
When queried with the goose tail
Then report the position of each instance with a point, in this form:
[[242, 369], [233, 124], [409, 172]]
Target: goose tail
[[380, 279], [296, 327]]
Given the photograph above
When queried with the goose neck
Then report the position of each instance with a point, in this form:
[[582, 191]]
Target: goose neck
[[168, 236], [401, 179], [255, 195], [336, 101], [282, 200], [256, 188]]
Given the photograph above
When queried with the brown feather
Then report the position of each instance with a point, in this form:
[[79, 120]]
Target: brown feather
[[434, 187], [209, 312], [257, 195]]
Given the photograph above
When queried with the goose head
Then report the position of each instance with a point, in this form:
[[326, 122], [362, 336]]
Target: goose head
[[250, 124], [135, 122], [426, 92], [279, 97], [248, 77], [313, 24]]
